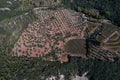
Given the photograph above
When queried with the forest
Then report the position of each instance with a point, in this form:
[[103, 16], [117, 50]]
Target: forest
[[24, 68], [109, 9]]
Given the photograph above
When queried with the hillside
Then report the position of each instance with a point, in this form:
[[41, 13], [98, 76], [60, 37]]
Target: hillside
[[105, 8], [59, 40]]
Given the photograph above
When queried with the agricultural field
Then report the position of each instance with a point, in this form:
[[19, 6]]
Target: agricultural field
[[110, 37], [108, 29], [76, 46], [49, 35], [113, 42], [91, 26]]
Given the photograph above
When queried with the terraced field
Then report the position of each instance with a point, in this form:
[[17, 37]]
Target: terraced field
[[90, 29], [113, 42], [52, 30], [49, 34], [108, 29], [110, 37]]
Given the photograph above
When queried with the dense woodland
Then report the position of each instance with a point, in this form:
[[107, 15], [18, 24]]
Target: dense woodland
[[12, 68], [23, 68], [107, 8]]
